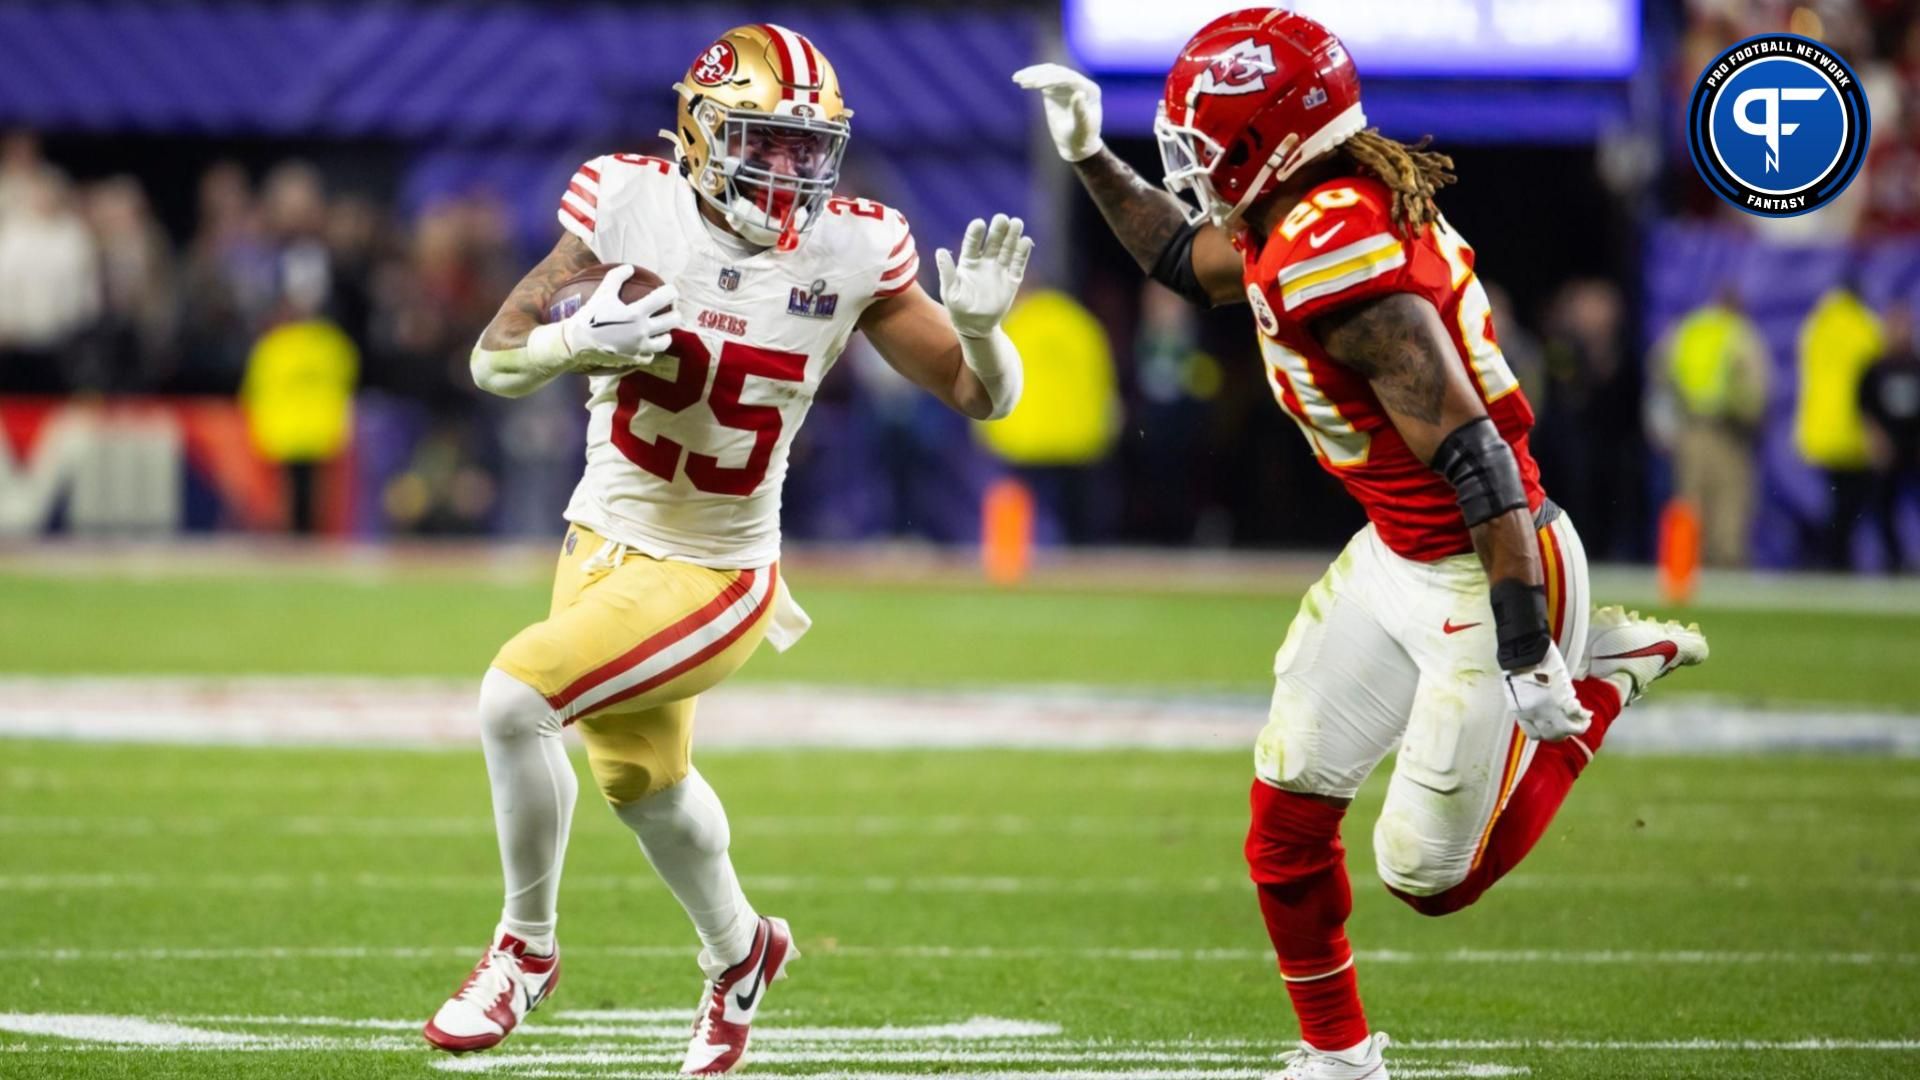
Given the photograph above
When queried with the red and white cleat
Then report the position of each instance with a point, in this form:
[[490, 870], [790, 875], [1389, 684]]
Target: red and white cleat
[[505, 986], [731, 998], [1620, 642]]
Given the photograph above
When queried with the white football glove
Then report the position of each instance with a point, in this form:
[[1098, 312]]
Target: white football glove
[[605, 335], [979, 290], [1543, 701], [1072, 104]]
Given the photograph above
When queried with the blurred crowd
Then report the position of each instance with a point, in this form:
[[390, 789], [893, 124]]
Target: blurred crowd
[[294, 297], [1855, 413], [343, 330], [1881, 41], [96, 296]]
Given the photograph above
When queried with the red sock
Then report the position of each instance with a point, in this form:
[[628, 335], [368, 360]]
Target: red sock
[[1534, 801], [1296, 858]]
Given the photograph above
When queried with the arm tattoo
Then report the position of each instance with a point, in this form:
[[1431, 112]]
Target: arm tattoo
[[1389, 342], [526, 306], [1144, 217]]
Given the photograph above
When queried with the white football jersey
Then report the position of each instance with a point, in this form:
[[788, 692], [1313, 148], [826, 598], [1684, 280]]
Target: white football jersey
[[686, 455]]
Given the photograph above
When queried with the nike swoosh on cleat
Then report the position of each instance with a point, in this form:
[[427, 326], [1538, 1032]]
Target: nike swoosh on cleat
[[1447, 627], [1666, 650], [745, 1001]]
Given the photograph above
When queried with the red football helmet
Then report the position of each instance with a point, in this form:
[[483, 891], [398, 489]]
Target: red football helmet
[[1254, 95]]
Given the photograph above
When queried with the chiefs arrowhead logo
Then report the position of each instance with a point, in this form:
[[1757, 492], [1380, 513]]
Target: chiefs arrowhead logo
[[1242, 69], [715, 65]]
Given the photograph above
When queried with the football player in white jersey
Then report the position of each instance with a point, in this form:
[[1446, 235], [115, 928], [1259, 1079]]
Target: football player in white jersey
[[669, 574]]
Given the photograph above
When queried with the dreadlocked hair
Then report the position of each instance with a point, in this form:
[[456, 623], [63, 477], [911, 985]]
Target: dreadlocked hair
[[1413, 172]]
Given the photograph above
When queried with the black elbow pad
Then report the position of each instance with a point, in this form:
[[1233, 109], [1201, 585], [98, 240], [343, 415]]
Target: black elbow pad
[[1481, 467], [1174, 267]]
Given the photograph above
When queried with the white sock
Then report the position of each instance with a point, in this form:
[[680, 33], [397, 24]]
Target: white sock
[[1624, 683], [684, 832], [533, 794]]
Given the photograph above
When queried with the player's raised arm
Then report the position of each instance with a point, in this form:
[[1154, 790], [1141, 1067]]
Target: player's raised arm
[[957, 352], [1398, 343], [1192, 257], [519, 352]]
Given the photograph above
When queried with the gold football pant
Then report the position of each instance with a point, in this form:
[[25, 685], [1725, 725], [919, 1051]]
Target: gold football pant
[[629, 644]]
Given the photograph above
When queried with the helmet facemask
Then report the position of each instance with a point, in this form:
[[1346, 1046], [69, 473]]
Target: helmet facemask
[[771, 173], [1187, 156]]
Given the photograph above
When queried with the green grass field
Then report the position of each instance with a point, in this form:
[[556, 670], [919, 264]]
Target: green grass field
[[274, 912], [864, 635]]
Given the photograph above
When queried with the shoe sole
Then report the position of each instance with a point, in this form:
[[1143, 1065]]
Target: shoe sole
[[459, 1044]]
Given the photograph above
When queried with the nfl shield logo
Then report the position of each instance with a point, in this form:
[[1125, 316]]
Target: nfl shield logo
[[730, 278]]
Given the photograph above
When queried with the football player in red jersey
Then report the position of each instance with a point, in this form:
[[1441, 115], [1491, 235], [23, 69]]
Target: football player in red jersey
[[1455, 626]]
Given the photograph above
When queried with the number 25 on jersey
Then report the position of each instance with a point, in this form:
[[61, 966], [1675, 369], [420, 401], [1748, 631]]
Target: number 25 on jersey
[[661, 456]]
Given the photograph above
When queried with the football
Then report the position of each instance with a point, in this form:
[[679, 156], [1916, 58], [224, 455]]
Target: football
[[574, 291]]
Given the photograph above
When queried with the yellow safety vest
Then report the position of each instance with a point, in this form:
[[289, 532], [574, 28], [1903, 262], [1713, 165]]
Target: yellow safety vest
[[1839, 340], [1706, 349], [1068, 412], [298, 391]]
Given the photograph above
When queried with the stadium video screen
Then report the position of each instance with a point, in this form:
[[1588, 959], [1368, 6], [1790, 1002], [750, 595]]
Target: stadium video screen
[[1569, 39]]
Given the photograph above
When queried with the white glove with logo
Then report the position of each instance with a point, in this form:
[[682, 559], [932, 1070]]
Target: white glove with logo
[[606, 335], [1543, 701], [978, 291], [1072, 104]]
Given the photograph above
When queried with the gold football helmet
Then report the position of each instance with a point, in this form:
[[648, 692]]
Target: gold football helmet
[[761, 130]]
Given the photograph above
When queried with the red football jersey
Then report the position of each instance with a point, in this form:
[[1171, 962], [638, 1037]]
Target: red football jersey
[[1337, 247]]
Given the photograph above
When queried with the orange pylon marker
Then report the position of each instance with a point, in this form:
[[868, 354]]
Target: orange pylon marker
[[1679, 551], [1006, 532]]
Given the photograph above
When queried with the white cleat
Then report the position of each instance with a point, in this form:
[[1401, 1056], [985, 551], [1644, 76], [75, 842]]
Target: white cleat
[[1362, 1062], [732, 997], [1620, 642], [504, 987]]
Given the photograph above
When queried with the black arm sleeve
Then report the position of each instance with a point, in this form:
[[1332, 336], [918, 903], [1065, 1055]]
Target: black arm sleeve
[[1481, 467], [1174, 267]]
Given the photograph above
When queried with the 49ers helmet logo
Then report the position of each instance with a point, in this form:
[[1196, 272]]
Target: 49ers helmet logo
[[714, 65], [1242, 69]]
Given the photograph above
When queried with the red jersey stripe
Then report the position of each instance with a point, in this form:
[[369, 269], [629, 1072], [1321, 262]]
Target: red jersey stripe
[[907, 267], [896, 290], [586, 196], [583, 219], [590, 173]]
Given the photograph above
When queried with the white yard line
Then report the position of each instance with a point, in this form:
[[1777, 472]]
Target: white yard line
[[881, 885], [121, 1030], [799, 825], [1664, 1045], [980, 1045], [270, 710], [538, 1068], [532, 1064], [1510, 957]]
